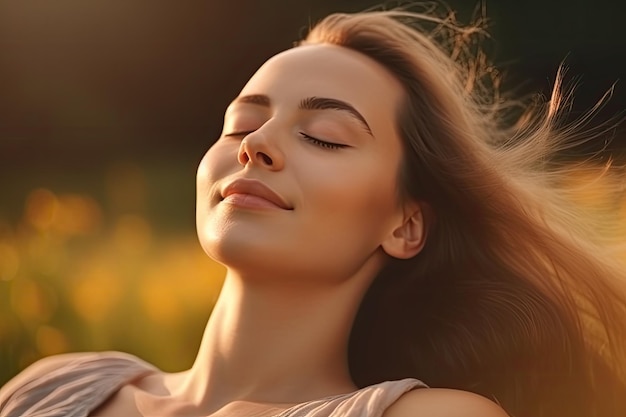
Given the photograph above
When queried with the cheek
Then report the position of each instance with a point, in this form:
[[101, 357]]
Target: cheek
[[216, 164], [217, 155], [204, 180], [345, 223], [360, 201], [203, 173], [367, 185], [219, 161], [371, 207]]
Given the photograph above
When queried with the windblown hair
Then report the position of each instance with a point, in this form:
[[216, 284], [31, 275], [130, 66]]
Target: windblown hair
[[515, 296]]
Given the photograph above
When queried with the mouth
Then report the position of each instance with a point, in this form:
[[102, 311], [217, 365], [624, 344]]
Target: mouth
[[254, 194]]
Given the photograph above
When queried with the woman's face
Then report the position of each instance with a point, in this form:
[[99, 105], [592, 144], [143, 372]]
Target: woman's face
[[303, 180]]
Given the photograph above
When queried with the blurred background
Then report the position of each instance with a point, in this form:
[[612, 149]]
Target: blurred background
[[106, 107]]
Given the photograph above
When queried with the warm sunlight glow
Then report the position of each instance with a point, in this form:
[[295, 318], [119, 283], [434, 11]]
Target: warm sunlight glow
[[77, 273]]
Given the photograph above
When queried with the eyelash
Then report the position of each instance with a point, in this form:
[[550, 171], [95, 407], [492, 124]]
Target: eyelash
[[235, 134], [311, 139], [322, 143]]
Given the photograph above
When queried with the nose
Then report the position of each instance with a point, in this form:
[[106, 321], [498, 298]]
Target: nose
[[257, 149]]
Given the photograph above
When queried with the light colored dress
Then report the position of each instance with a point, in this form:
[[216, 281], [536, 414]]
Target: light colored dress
[[87, 381]]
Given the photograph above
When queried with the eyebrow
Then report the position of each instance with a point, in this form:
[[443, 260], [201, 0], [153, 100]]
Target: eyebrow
[[258, 99], [310, 103]]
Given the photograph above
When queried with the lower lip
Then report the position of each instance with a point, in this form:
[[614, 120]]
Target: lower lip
[[249, 201]]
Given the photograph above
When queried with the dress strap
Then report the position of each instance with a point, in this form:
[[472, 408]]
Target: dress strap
[[370, 401]]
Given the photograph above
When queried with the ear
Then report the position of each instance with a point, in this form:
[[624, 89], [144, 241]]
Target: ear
[[407, 239]]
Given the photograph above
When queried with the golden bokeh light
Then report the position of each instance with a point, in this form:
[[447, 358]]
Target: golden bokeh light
[[181, 281], [77, 215], [95, 292], [50, 341], [31, 301], [41, 208], [132, 235], [159, 301], [9, 262]]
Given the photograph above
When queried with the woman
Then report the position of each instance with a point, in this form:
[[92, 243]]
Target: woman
[[380, 227]]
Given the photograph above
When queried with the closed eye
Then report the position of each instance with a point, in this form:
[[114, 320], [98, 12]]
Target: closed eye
[[233, 134], [315, 141], [322, 143]]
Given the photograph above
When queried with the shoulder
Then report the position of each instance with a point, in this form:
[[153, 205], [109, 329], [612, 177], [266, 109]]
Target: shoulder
[[440, 402]]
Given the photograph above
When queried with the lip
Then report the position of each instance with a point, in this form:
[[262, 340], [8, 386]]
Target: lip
[[256, 189]]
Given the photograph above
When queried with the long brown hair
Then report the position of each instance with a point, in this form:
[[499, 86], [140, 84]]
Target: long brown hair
[[514, 296]]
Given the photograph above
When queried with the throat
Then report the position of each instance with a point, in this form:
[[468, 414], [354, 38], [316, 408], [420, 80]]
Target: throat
[[263, 349]]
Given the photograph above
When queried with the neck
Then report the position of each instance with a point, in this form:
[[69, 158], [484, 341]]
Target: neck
[[276, 344]]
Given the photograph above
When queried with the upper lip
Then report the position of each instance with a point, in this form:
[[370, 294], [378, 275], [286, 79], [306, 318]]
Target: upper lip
[[256, 188]]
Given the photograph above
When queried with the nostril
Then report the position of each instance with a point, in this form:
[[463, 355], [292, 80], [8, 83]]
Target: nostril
[[265, 158]]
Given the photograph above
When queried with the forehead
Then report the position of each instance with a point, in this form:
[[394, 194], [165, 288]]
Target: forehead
[[331, 71]]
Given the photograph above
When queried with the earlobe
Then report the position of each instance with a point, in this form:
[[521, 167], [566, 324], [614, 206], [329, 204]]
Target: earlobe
[[408, 238]]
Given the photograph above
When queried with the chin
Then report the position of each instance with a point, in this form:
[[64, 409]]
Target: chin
[[233, 246]]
